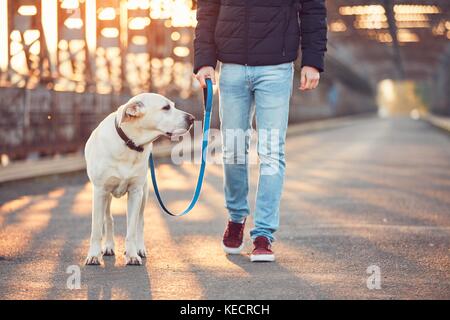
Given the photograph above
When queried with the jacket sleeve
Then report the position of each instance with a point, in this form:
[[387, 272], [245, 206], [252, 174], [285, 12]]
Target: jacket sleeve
[[204, 43], [313, 29]]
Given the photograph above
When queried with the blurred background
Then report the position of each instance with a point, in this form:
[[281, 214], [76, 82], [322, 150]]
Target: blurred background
[[65, 64], [367, 176]]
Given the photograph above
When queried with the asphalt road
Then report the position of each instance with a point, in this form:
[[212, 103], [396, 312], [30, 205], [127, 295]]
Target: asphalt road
[[374, 194]]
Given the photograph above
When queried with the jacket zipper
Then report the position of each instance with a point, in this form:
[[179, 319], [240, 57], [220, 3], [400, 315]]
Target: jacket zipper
[[287, 16], [246, 31]]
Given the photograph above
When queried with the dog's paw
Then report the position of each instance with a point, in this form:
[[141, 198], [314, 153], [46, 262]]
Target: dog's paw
[[133, 261], [142, 253], [108, 251], [93, 261]]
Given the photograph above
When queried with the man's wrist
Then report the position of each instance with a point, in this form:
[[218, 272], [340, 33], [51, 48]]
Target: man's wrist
[[312, 67], [204, 64], [313, 59], [206, 67]]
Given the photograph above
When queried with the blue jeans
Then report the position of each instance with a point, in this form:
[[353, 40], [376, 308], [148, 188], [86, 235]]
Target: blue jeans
[[244, 91]]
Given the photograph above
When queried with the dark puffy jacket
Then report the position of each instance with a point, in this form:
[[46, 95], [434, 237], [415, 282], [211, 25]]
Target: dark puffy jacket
[[260, 32]]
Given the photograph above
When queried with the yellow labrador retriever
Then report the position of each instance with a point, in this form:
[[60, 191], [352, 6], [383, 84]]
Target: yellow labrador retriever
[[116, 156]]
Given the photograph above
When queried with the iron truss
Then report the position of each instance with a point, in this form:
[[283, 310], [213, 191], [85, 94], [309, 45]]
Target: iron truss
[[105, 46]]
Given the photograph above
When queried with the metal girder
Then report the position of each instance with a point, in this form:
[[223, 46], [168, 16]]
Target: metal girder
[[406, 56], [397, 58]]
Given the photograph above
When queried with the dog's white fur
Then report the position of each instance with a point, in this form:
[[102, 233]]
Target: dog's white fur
[[114, 169]]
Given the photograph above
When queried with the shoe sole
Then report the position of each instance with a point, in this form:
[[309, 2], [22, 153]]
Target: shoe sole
[[229, 250], [262, 257]]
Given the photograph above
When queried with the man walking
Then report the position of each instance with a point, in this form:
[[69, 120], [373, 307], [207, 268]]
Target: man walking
[[257, 41]]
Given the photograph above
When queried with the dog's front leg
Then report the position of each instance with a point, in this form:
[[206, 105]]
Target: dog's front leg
[[140, 228], [135, 198], [100, 201], [108, 248]]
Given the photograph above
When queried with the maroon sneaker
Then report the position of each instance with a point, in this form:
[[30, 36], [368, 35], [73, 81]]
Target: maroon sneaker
[[233, 237], [262, 251]]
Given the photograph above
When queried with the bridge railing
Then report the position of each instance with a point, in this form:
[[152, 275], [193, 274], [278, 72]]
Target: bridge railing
[[41, 122]]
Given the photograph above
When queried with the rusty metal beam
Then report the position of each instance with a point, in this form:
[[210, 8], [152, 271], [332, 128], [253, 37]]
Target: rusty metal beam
[[397, 59]]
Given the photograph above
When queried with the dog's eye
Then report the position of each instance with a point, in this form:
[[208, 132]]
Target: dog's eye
[[166, 108]]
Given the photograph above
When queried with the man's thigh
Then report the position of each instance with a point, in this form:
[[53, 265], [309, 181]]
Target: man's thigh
[[273, 89], [236, 97]]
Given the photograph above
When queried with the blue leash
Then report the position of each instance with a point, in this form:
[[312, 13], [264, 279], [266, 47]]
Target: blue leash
[[208, 101]]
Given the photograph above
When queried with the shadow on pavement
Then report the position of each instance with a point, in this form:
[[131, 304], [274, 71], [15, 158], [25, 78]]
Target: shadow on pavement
[[111, 281]]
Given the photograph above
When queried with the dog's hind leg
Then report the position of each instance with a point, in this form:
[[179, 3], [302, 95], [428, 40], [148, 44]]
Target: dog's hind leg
[[100, 201], [108, 248], [142, 252]]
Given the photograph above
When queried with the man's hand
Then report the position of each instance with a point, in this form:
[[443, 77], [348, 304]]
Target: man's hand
[[204, 73], [309, 78]]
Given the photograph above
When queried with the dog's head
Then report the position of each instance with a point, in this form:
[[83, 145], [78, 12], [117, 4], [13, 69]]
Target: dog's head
[[154, 112]]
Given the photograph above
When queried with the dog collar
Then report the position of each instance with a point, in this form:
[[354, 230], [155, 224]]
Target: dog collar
[[129, 143]]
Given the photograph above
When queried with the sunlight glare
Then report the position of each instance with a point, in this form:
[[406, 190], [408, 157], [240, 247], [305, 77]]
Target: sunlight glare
[[107, 14], [110, 32], [181, 51], [91, 24], [3, 35], [74, 23], [138, 4], [50, 27], [138, 23], [27, 10], [70, 4]]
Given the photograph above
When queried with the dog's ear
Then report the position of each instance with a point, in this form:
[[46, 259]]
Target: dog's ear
[[132, 110]]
